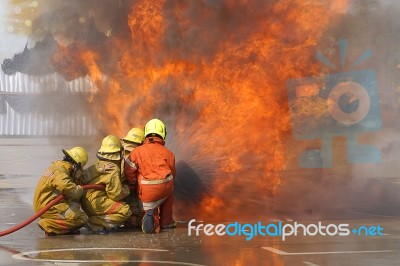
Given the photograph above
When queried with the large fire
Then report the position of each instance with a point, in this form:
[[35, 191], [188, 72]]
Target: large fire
[[215, 73]]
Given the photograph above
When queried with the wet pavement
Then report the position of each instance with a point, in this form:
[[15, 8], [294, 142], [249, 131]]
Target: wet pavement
[[20, 170]]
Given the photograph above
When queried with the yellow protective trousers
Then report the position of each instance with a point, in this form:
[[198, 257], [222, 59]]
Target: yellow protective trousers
[[105, 208], [60, 223]]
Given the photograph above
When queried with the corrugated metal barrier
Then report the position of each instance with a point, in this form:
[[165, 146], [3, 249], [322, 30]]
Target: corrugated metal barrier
[[44, 106]]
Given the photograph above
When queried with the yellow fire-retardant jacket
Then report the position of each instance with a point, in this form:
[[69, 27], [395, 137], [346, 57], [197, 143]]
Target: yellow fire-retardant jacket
[[56, 180], [103, 173]]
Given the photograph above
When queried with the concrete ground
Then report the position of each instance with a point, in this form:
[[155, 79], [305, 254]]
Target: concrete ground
[[21, 165]]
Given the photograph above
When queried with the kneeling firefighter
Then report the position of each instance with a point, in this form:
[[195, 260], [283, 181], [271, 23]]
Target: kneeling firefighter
[[105, 208], [66, 216], [133, 139]]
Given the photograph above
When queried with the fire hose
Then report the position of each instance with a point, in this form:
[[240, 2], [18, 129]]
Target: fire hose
[[43, 210]]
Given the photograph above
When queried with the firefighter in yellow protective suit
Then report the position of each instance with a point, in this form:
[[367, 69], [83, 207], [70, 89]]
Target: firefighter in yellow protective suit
[[105, 208], [66, 216], [133, 139]]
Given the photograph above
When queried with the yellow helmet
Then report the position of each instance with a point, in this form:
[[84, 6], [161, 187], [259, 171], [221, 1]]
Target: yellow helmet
[[155, 126], [78, 154], [135, 135], [110, 148]]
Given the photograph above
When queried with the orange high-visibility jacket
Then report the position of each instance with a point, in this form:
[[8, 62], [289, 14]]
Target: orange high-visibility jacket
[[152, 166]]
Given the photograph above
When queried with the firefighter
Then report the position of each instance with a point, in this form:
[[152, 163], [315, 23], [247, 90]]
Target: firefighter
[[66, 216], [105, 208], [152, 167], [134, 138]]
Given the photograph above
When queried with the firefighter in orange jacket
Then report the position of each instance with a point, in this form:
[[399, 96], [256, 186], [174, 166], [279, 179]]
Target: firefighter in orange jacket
[[105, 208], [66, 216], [152, 167]]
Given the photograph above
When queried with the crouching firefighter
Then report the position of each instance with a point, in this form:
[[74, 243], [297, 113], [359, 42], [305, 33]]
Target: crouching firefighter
[[66, 216], [152, 167], [105, 208], [133, 139]]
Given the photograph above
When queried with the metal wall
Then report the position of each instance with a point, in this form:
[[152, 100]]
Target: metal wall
[[19, 116]]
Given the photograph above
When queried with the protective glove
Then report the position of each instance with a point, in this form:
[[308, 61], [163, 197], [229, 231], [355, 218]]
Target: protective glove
[[106, 168], [76, 193], [125, 191]]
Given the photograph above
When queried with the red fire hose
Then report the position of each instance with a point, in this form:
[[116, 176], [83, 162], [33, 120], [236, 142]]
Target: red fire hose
[[48, 206]]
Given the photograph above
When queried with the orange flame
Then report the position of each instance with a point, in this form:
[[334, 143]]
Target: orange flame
[[216, 75]]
